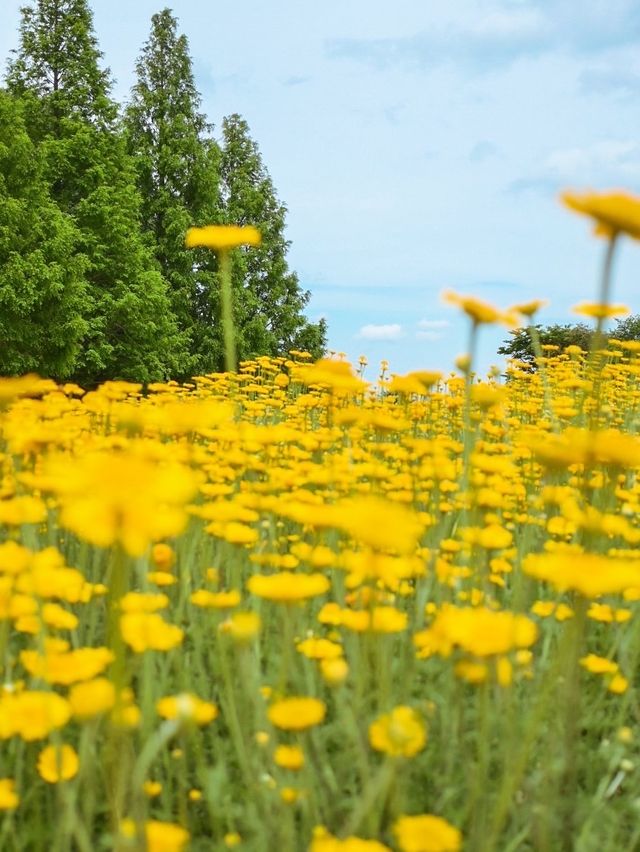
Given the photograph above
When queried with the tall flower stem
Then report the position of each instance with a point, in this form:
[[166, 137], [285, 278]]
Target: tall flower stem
[[597, 341], [230, 361], [605, 289]]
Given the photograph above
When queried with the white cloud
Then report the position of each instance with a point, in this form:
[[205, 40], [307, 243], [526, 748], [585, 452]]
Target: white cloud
[[430, 324], [392, 331], [607, 157]]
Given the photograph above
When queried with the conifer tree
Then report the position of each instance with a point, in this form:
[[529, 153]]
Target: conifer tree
[[42, 287], [270, 303], [131, 332], [177, 169]]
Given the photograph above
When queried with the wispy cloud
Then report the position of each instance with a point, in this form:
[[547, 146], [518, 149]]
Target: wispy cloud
[[482, 150], [612, 82], [607, 162], [501, 36], [295, 80], [391, 331]]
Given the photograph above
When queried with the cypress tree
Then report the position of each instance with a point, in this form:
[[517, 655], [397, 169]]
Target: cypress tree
[[270, 303], [42, 289], [131, 332], [177, 171]]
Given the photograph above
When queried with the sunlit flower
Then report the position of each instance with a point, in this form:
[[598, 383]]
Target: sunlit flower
[[188, 707], [92, 698], [426, 833], [613, 212], [149, 632], [296, 713], [289, 757], [287, 586], [400, 733], [223, 237], [9, 799], [58, 763], [158, 836]]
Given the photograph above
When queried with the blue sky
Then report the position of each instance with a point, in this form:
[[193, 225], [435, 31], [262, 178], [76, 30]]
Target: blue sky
[[419, 147]]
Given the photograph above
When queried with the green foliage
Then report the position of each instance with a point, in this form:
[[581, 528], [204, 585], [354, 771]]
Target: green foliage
[[110, 204], [42, 288], [131, 333], [268, 297], [520, 346], [177, 175]]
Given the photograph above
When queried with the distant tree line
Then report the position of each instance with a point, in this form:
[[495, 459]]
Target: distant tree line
[[519, 345], [95, 200]]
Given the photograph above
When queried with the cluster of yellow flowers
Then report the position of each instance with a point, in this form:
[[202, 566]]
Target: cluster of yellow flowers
[[286, 608]]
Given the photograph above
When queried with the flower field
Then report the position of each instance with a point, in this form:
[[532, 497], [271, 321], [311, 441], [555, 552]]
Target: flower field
[[283, 607], [287, 608]]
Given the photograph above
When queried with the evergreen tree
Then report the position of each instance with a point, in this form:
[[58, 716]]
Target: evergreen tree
[[42, 286], [269, 301], [131, 330], [177, 169]]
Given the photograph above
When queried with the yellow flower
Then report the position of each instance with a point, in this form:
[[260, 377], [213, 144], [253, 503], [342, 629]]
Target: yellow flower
[[223, 237], [598, 665], [158, 836], [9, 799], [297, 713], [613, 212], [596, 310], [32, 715], [479, 631], [426, 833], [92, 698], [618, 684], [378, 523], [149, 632], [163, 556], [152, 788], [67, 667], [289, 757], [242, 626], [528, 309], [325, 842], [590, 574], [334, 671], [400, 733], [126, 496], [319, 649], [479, 311], [143, 602], [58, 763], [216, 600], [287, 586], [188, 707]]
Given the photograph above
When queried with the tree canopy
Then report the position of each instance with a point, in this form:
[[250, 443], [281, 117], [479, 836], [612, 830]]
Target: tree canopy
[[519, 345], [119, 187]]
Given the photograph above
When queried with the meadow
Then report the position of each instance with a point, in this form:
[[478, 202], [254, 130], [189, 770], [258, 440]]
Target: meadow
[[290, 607]]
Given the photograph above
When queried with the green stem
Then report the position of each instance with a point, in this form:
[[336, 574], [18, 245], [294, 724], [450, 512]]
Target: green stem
[[230, 362]]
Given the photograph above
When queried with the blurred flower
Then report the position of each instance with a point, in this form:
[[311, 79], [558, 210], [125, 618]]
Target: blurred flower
[[58, 763], [426, 833], [400, 733], [9, 799], [188, 707], [297, 713], [613, 212], [223, 237]]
